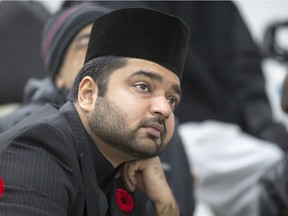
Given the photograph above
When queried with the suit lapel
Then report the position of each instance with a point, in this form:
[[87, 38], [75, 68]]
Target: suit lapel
[[95, 198], [96, 202]]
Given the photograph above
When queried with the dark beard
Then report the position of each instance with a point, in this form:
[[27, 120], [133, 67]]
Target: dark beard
[[110, 124]]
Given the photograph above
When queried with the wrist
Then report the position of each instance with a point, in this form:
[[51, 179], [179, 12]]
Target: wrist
[[167, 207]]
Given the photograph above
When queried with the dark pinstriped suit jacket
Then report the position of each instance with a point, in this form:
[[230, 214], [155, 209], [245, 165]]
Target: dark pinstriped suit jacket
[[43, 160]]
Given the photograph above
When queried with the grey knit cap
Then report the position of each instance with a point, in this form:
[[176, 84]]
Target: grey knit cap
[[61, 29]]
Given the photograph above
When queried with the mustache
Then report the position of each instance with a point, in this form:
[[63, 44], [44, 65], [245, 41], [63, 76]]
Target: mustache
[[148, 121]]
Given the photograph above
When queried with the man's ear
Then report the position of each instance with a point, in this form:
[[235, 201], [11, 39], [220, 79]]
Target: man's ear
[[87, 93]]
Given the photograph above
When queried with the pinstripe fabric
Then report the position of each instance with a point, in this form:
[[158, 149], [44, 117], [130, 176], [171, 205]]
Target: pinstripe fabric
[[43, 161], [93, 193], [39, 167]]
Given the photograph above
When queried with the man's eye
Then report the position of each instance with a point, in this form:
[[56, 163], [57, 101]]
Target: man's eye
[[172, 101], [82, 43], [143, 87]]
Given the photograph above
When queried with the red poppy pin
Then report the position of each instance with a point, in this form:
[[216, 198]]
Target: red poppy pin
[[124, 200], [1, 187]]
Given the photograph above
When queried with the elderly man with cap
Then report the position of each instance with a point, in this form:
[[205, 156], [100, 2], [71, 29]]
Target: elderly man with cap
[[64, 43], [118, 120]]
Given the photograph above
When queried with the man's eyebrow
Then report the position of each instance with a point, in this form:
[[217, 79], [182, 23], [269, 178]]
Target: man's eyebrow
[[157, 77], [149, 74]]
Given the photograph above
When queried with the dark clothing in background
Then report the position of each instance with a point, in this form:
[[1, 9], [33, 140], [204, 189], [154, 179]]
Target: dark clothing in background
[[21, 24], [222, 79], [36, 94]]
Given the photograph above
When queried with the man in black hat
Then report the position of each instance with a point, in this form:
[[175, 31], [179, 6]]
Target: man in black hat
[[117, 121]]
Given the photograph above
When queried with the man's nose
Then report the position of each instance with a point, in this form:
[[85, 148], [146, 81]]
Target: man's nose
[[160, 106]]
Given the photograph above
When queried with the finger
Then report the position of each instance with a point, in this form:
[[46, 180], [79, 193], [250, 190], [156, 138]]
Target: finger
[[129, 176]]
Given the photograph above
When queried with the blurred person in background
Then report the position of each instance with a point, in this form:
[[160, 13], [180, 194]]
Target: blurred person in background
[[64, 42]]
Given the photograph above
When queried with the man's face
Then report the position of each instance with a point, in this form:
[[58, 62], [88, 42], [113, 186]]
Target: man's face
[[136, 114], [73, 59]]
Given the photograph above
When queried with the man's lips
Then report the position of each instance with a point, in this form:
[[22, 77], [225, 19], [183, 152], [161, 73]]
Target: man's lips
[[155, 129]]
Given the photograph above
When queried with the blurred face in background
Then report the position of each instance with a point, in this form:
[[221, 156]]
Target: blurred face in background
[[73, 59]]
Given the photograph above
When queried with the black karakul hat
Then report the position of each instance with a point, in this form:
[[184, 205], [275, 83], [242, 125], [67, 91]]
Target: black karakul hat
[[141, 33]]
